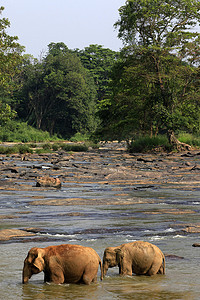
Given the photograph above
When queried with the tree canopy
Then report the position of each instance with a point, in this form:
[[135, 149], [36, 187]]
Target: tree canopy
[[99, 61], [58, 93], [150, 86], [156, 82], [10, 62]]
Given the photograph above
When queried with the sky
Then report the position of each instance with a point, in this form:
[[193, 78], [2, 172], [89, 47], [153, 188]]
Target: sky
[[76, 23]]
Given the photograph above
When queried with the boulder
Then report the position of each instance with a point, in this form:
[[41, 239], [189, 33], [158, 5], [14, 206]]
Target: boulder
[[7, 234], [47, 181], [196, 245]]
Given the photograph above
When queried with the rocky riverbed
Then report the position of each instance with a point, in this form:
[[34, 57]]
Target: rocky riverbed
[[110, 165]]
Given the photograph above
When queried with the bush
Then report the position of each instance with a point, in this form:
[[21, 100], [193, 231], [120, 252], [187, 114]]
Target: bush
[[189, 139], [21, 132], [147, 143], [74, 147], [55, 147], [24, 149], [78, 137], [15, 149], [46, 146]]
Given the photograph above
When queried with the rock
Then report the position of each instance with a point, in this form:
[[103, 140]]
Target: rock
[[7, 234], [47, 181], [192, 229], [196, 245], [195, 168], [172, 256], [12, 170]]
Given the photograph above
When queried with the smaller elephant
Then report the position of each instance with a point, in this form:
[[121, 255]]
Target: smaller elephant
[[63, 264], [140, 258]]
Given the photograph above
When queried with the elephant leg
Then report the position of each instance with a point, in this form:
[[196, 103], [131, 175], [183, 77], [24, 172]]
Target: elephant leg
[[94, 279], [126, 270], [156, 268], [90, 274], [161, 270], [57, 277]]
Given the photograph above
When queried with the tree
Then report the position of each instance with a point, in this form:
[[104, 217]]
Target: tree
[[99, 62], [157, 86], [59, 95], [10, 62]]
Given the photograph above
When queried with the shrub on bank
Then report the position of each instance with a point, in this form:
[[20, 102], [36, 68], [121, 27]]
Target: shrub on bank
[[15, 149], [189, 139], [21, 132], [74, 147], [147, 143], [46, 148]]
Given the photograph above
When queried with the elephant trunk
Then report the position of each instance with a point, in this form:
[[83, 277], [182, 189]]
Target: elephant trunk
[[105, 269], [26, 275]]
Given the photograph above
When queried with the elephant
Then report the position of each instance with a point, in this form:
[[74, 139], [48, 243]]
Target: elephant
[[140, 258], [63, 264]]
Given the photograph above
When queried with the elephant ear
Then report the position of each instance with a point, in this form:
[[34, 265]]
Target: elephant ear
[[119, 254], [39, 260]]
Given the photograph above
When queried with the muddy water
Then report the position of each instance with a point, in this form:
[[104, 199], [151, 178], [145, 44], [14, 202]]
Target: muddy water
[[100, 214]]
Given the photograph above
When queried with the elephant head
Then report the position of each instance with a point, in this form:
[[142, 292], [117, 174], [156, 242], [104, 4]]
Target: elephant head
[[110, 258], [33, 263]]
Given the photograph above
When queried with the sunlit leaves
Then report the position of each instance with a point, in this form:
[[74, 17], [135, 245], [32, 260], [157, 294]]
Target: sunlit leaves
[[156, 84], [10, 58]]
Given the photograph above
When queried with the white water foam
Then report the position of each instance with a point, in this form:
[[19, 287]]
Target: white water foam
[[169, 230]]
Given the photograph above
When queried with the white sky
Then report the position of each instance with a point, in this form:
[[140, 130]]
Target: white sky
[[77, 23]]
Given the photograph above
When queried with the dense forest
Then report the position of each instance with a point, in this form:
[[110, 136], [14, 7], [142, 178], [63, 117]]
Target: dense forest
[[151, 86]]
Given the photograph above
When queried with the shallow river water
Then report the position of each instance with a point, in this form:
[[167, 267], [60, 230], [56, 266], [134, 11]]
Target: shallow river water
[[99, 226]]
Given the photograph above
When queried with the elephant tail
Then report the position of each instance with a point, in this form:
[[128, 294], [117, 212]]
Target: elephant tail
[[163, 263], [162, 267]]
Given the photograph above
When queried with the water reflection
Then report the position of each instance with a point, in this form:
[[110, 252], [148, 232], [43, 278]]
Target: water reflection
[[64, 291]]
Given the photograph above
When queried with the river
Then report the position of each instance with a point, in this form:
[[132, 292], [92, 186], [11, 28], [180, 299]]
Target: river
[[106, 214]]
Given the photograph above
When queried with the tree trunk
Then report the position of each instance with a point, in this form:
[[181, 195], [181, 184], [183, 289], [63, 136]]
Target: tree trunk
[[177, 145]]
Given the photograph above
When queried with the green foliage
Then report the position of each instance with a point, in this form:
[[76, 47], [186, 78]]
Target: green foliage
[[6, 113], [10, 70], [46, 146], [22, 149], [74, 147], [21, 132], [156, 81], [147, 143], [58, 93], [78, 137], [189, 139], [10, 57], [99, 62]]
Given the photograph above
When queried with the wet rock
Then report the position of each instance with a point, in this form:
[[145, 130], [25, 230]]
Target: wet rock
[[145, 160], [196, 245], [12, 170], [7, 234], [195, 168], [192, 229], [47, 181], [8, 217], [172, 256], [35, 230], [188, 154]]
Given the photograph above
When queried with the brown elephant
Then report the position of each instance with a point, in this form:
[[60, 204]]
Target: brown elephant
[[63, 264], [141, 258]]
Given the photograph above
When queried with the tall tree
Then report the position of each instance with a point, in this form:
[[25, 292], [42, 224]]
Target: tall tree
[[10, 63], [99, 61], [157, 86], [59, 94]]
